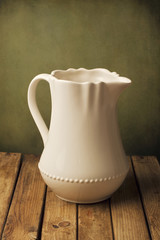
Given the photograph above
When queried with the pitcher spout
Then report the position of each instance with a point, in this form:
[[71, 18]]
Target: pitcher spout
[[116, 87], [123, 83]]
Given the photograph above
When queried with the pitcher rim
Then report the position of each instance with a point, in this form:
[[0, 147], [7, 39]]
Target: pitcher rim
[[114, 75]]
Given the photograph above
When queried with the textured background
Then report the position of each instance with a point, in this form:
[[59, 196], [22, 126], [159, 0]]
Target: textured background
[[40, 36]]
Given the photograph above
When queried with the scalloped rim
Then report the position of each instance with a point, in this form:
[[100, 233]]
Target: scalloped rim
[[118, 78], [76, 180]]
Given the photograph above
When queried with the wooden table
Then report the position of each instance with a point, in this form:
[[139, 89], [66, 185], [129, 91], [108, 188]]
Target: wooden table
[[30, 210]]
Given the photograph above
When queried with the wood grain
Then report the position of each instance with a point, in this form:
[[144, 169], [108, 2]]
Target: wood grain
[[147, 171], [59, 219], [124, 217], [25, 211], [94, 222], [127, 212], [9, 166]]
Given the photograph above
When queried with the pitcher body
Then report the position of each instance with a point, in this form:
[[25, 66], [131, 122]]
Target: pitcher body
[[83, 158]]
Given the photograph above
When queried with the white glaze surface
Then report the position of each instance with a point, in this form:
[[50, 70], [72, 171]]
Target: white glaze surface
[[83, 144]]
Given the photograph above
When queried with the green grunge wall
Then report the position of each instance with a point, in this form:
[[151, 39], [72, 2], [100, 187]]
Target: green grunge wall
[[40, 36]]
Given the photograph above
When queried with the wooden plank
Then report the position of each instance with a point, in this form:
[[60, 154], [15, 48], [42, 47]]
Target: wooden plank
[[59, 220], [25, 211], [127, 212], [147, 171], [94, 221], [9, 166]]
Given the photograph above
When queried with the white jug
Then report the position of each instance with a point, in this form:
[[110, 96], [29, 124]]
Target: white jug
[[83, 158]]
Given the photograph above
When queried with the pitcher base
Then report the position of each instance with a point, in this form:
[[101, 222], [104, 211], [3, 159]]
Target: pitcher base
[[85, 202]]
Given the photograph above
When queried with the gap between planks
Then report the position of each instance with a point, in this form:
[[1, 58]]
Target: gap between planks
[[10, 164], [60, 219], [25, 211], [127, 212], [84, 221], [147, 172], [70, 221]]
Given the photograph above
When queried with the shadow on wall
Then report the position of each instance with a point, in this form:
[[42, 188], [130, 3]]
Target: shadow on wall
[[40, 36]]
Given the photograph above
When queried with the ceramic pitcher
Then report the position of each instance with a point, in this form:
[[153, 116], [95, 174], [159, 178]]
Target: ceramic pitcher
[[83, 158]]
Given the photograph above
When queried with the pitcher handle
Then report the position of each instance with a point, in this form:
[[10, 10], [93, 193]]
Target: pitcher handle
[[33, 104]]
